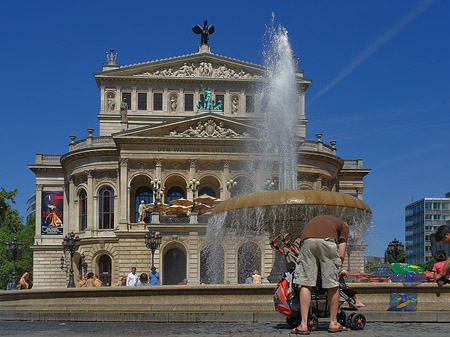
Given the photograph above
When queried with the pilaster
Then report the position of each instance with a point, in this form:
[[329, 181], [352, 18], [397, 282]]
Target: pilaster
[[225, 194], [192, 172], [123, 190], [90, 200]]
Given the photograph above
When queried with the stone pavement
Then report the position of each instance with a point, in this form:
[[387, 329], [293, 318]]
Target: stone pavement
[[83, 329]]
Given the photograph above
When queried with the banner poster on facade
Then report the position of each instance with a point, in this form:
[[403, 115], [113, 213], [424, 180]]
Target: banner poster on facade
[[52, 213]]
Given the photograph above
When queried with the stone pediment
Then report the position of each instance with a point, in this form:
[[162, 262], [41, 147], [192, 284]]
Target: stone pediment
[[200, 65], [206, 126]]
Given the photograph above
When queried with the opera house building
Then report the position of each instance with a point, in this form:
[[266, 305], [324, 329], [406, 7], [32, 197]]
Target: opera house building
[[168, 129]]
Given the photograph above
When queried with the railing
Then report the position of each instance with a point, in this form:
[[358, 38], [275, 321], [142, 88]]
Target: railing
[[173, 219], [353, 164], [47, 159], [89, 142], [309, 145]]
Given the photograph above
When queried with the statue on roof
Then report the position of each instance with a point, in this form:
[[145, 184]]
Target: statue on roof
[[111, 58], [205, 31]]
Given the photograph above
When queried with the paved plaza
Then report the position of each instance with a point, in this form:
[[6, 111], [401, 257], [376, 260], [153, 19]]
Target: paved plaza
[[83, 329]]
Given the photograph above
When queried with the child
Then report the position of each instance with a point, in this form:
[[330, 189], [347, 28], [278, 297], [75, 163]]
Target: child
[[437, 268]]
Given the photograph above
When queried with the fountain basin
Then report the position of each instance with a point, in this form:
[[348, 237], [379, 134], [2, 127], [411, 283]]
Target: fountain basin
[[290, 210]]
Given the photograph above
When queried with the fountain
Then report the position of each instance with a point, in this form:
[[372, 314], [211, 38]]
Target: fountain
[[258, 216]]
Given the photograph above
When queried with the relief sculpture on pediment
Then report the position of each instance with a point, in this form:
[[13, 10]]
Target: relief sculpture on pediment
[[208, 129], [201, 69]]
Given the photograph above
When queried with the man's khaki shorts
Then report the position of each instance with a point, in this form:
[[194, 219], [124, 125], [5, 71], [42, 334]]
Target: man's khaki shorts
[[315, 253]]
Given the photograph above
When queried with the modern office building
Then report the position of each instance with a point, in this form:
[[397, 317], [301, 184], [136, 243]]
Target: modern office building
[[31, 205], [422, 218], [153, 124]]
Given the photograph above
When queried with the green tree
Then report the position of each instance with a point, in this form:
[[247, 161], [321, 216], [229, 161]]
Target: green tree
[[388, 258], [11, 225], [427, 266]]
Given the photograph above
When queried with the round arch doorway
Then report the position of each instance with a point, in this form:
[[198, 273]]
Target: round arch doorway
[[174, 266]]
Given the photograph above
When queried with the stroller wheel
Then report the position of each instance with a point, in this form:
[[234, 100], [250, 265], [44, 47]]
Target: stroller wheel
[[293, 321], [342, 318], [313, 322], [358, 321]]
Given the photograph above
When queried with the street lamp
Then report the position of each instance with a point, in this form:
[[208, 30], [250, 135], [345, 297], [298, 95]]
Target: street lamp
[[270, 183], [231, 184], [395, 248], [70, 244], [156, 187], [14, 248], [153, 241], [193, 186]]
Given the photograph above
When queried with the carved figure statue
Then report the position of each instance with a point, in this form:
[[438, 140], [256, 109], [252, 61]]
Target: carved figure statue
[[173, 103], [235, 105], [142, 210], [111, 58], [124, 109], [110, 104], [205, 32]]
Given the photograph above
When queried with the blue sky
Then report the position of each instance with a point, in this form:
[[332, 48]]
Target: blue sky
[[380, 72]]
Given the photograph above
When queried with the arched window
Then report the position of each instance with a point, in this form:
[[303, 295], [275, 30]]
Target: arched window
[[142, 193], [207, 190], [82, 210], [106, 208], [174, 266], [249, 259], [104, 270], [174, 193]]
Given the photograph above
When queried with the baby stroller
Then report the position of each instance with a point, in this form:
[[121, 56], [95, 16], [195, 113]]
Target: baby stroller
[[286, 297]]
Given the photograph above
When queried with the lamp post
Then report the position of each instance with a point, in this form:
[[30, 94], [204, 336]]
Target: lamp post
[[14, 248], [395, 247], [193, 186], [231, 184], [270, 183], [70, 244], [152, 242], [157, 193]]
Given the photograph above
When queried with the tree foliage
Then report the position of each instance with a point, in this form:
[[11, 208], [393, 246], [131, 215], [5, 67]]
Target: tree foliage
[[11, 225], [428, 265]]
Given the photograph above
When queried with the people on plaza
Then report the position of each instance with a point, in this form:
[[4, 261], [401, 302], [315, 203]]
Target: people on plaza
[[184, 282], [80, 282], [249, 280], [143, 280], [154, 277], [97, 281], [132, 278], [25, 281], [256, 278], [443, 235], [90, 280], [122, 282], [324, 241], [440, 258]]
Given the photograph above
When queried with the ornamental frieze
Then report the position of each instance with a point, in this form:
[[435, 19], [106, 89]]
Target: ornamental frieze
[[208, 129], [201, 69]]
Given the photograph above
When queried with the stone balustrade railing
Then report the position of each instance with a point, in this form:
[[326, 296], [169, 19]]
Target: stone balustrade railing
[[47, 159], [90, 142], [309, 145]]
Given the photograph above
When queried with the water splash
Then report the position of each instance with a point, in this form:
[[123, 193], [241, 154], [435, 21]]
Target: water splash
[[280, 106]]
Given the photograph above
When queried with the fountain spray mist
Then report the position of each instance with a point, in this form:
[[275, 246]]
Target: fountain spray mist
[[280, 106]]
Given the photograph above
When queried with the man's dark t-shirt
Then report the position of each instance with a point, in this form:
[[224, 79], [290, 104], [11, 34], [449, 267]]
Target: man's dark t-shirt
[[326, 226]]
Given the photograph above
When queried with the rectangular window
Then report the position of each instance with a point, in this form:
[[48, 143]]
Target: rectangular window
[[142, 101], [157, 101], [220, 98], [127, 96], [249, 104], [428, 205], [436, 205], [202, 100], [189, 102]]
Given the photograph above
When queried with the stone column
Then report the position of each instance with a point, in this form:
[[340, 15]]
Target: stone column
[[192, 172], [165, 100], [193, 267], [70, 219], [158, 175], [227, 100], [38, 212], [134, 99], [118, 98], [90, 200], [123, 190], [318, 182], [359, 191], [225, 194], [102, 98]]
